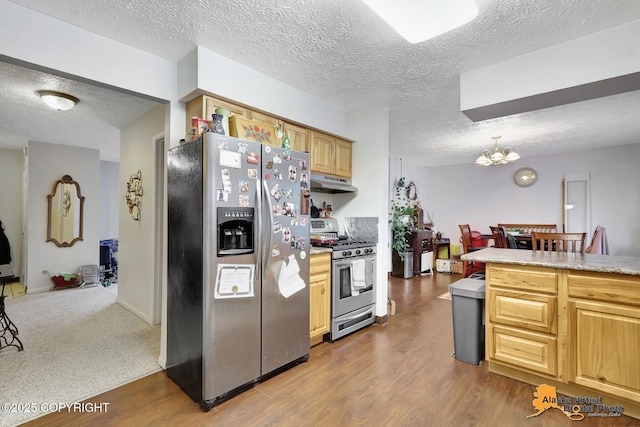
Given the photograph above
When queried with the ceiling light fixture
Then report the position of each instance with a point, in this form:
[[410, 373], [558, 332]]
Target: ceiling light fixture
[[58, 100], [420, 20], [497, 156]]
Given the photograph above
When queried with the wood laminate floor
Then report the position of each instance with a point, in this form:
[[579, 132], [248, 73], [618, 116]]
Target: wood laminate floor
[[398, 374]]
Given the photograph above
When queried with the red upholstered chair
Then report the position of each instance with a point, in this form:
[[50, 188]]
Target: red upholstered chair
[[469, 267]]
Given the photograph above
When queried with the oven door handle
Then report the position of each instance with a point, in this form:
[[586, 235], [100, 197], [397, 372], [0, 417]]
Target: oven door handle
[[355, 316]]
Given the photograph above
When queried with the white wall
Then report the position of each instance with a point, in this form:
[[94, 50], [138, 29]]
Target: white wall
[[484, 196], [11, 162], [110, 200], [47, 163], [370, 175], [137, 242]]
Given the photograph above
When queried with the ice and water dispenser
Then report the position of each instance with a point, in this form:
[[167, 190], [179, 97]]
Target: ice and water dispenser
[[235, 231]]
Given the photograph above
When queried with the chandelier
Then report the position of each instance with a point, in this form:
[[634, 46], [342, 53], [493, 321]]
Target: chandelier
[[497, 156]]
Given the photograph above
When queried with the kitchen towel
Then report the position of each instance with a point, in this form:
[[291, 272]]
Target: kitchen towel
[[358, 277], [289, 280]]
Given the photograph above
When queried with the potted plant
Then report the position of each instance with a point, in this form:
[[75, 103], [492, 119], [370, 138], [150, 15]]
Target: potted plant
[[401, 218]]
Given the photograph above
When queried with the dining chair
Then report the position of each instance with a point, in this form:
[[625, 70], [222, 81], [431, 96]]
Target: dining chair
[[558, 242], [499, 237], [469, 267]]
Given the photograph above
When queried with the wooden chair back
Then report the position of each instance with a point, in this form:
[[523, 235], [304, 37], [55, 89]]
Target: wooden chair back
[[558, 242], [499, 237], [529, 228], [465, 231]]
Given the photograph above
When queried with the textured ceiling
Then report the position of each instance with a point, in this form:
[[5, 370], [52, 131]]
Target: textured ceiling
[[342, 52]]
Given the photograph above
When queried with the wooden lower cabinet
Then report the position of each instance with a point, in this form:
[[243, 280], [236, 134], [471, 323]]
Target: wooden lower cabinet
[[320, 297], [578, 331], [604, 331]]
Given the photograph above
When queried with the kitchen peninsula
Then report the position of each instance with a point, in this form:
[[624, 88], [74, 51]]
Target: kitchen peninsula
[[567, 320]]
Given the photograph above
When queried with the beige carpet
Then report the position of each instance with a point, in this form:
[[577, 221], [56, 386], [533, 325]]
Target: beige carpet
[[77, 343]]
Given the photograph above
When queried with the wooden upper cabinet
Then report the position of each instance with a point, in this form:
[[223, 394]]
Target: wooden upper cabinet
[[297, 137], [322, 152], [330, 155], [204, 106], [264, 118], [343, 158]]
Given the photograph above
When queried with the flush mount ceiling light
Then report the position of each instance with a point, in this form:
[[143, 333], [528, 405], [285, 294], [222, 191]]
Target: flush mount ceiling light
[[497, 156], [58, 100], [420, 20]]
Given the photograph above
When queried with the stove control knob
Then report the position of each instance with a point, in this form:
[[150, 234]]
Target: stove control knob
[[358, 252], [345, 253]]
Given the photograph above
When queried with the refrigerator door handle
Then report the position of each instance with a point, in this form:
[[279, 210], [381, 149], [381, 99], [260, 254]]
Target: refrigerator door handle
[[257, 237], [269, 233]]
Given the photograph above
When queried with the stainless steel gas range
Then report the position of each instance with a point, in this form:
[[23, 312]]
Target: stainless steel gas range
[[353, 278]]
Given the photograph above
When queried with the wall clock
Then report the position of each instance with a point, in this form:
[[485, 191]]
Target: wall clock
[[525, 177]]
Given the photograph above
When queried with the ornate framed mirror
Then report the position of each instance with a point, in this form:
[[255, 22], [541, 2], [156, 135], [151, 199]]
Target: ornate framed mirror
[[65, 206]]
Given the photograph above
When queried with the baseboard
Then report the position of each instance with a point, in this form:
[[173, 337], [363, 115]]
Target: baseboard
[[135, 311]]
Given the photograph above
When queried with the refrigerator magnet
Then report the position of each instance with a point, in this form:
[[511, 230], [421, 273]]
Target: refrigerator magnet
[[275, 250], [293, 174], [303, 254], [277, 158], [242, 147], [277, 227], [243, 186], [252, 158], [252, 173], [277, 174], [243, 201], [304, 181], [267, 149], [286, 235]]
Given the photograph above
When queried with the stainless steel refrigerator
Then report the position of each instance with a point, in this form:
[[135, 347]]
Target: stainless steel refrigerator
[[238, 264]]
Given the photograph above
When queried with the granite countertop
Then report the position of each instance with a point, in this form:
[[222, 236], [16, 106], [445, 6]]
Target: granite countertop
[[320, 250], [569, 261]]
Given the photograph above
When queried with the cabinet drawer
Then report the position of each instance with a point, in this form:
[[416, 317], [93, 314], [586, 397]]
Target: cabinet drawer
[[527, 350], [526, 278], [535, 312], [319, 263], [605, 287]]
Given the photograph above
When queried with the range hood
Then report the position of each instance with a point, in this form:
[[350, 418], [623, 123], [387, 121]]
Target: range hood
[[331, 184]]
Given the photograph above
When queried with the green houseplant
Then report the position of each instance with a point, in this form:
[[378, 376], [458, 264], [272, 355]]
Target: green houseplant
[[401, 218]]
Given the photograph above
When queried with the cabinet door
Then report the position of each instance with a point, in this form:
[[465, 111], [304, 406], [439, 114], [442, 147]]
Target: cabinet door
[[204, 106], [606, 344], [297, 137], [322, 152], [264, 118], [319, 295], [343, 158], [319, 309]]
